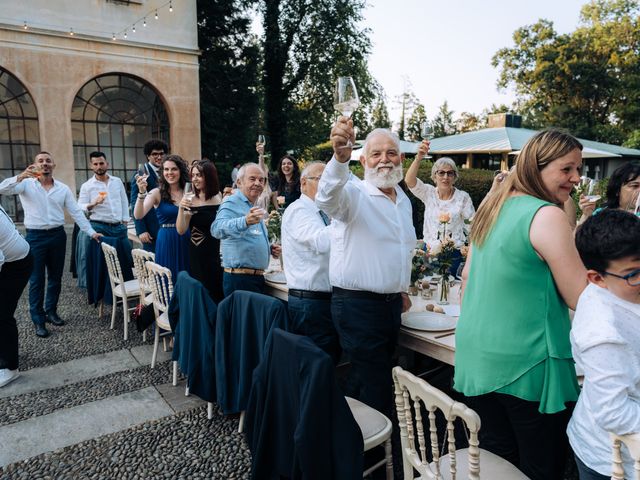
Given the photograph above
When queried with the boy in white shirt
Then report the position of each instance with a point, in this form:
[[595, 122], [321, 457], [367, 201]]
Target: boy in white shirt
[[605, 340]]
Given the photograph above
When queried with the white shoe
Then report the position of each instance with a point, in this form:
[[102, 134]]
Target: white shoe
[[7, 376]]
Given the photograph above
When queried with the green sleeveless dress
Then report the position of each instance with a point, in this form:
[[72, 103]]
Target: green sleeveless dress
[[513, 333]]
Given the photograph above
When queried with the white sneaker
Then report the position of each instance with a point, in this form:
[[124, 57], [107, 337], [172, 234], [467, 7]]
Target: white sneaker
[[7, 376]]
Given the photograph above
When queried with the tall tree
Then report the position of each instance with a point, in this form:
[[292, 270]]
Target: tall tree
[[414, 124], [228, 83], [307, 44], [407, 101], [380, 114], [443, 123], [587, 81]]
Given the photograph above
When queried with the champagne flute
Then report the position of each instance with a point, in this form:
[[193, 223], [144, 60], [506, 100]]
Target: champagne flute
[[261, 140], [427, 133], [590, 189], [142, 170], [345, 99]]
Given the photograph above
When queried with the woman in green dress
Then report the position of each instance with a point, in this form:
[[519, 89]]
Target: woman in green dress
[[513, 355]]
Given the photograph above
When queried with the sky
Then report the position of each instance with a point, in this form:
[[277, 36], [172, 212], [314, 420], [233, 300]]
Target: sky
[[444, 48]]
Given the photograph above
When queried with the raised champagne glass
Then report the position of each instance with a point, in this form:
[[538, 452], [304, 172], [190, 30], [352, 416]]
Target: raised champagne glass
[[345, 99]]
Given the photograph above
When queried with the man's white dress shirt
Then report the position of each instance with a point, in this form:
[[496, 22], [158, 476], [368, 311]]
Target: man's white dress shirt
[[44, 209], [373, 237], [605, 341], [305, 246], [12, 246], [114, 209]]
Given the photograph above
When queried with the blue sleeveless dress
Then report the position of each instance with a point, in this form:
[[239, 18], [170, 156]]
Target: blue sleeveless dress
[[172, 249]]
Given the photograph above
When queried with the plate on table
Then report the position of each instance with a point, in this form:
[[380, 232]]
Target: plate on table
[[428, 321], [275, 277]]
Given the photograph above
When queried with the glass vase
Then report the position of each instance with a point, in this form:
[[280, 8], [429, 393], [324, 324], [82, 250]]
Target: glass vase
[[444, 289]]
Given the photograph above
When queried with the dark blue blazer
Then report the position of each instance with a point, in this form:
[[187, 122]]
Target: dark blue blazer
[[243, 324], [148, 223], [192, 315], [298, 424]]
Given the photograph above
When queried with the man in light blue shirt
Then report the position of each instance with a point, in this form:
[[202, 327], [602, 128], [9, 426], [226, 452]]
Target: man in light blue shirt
[[240, 225]]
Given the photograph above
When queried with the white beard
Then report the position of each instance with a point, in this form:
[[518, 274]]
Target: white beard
[[385, 179]]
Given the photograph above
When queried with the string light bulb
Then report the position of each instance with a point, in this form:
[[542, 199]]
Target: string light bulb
[[71, 32], [170, 6], [134, 28], [113, 37], [125, 34], [25, 25], [156, 15], [144, 22]]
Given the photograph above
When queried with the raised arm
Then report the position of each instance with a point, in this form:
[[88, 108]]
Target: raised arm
[[552, 238], [412, 172]]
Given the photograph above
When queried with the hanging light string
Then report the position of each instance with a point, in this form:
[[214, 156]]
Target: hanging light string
[[74, 32]]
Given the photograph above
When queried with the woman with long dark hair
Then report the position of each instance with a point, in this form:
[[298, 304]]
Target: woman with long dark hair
[[172, 249], [622, 191], [287, 182], [196, 216]]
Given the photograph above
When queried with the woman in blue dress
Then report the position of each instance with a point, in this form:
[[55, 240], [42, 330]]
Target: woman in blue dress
[[172, 249]]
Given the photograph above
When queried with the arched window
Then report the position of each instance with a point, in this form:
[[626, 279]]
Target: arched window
[[19, 135], [116, 114]]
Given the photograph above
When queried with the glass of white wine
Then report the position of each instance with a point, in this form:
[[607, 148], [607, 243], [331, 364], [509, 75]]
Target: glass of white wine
[[590, 190], [261, 140], [345, 99], [142, 170], [427, 133]]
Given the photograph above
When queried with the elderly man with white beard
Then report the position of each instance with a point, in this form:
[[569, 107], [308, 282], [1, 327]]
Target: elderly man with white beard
[[370, 261]]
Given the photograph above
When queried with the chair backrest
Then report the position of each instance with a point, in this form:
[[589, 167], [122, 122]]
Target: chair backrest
[[161, 286], [140, 258], [411, 394], [632, 441], [113, 265]]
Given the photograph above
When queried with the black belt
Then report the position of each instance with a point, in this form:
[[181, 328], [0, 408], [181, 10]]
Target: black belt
[[106, 223], [310, 294], [383, 297], [53, 229]]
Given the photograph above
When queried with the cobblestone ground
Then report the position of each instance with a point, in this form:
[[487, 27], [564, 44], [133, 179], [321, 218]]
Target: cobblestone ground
[[180, 446]]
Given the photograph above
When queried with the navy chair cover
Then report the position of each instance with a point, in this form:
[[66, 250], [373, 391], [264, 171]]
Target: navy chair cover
[[243, 324], [192, 315], [98, 285], [298, 424]]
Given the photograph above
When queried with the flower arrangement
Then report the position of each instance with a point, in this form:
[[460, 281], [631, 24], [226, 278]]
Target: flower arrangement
[[274, 224], [420, 265]]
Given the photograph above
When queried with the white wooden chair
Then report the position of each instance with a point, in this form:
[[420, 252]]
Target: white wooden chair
[[632, 441], [413, 393], [121, 291], [140, 258], [162, 290], [376, 429]]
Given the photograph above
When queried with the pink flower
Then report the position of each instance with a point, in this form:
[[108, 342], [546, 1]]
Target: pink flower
[[445, 217]]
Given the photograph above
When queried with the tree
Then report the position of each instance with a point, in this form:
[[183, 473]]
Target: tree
[[587, 81], [307, 44], [228, 83], [468, 122], [407, 101], [414, 125], [442, 123], [380, 115]]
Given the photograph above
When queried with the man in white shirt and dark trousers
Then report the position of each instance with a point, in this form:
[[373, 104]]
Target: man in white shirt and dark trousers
[[306, 239], [371, 250], [16, 264], [44, 201], [104, 199]]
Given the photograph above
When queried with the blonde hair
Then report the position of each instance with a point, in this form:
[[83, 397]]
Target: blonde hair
[[539, 151]]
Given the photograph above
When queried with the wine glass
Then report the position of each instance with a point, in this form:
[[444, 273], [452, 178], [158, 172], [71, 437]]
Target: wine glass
[[261, 140], [427, 133], [142, 170], [188, 191], [255, 228], [591, 190], [345, 99]]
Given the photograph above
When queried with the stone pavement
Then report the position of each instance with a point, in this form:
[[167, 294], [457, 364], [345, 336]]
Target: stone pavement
[[88, 405]]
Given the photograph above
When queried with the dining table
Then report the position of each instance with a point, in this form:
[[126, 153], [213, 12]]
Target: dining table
[[439, 344]]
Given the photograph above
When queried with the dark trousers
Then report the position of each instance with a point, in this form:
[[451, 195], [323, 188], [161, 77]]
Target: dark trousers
[[368, 331], [236, 281], [13, 279], [312, 317], [586, 473], [48, 248], [515, 430]]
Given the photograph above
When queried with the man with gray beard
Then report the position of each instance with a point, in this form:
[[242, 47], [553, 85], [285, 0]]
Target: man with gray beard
[[370, 260]]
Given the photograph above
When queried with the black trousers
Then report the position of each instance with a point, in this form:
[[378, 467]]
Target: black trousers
[[368, 331], [13, 279], [515, 430], [312, 317]]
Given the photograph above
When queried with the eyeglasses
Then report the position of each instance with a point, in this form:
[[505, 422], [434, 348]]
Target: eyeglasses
[[632, 278], [313, 178], [156, 154], [446, 173]]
